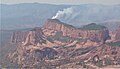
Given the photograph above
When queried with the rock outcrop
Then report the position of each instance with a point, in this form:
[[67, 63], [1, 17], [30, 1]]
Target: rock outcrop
[[32, 37], [57, 43], [30, 57], [19, 36], [117, 34], [99, 33], [56, 25], [35, 37]]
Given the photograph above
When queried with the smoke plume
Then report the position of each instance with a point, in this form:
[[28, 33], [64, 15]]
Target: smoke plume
[[84, 14], [65, 13]]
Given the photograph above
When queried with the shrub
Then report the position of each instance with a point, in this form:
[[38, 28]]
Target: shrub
[[108, 61], [82, 63], [99, 63]]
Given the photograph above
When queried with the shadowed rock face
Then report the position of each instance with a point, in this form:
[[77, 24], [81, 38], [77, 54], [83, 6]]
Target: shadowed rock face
[[35, 37], [32, 37], [99, 33], [49, 52], [29, 57], [117, 34], [19, 36], [45, 52]]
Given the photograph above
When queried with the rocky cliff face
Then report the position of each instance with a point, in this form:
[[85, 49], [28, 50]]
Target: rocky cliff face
[[31, 48], [51, 27], [117, 34], [101, 34], [30, 57], [56, 25], [32, 37], [63, 44], [19, 36]]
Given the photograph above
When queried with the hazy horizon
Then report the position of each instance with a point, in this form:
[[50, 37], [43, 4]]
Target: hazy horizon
[[67, 2]]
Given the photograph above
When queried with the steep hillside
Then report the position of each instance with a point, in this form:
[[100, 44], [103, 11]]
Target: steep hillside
[[93, 26], [57, 44], [96, 33]]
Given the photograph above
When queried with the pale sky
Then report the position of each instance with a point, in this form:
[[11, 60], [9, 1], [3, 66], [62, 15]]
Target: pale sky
[[105, 2]]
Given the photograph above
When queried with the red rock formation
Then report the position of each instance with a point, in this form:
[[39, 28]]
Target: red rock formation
[[32, 37], [36, 36], [24, 56], [19, 36], [55, 24], [68, 30], [28, 54]]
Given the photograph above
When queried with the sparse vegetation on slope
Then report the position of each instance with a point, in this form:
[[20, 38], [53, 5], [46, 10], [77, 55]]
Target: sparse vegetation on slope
[[92, 26], [58, 21], [114, 43]]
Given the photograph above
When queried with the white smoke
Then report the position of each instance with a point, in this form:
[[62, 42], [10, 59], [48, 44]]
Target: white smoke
[[66, 13], [84, 14]]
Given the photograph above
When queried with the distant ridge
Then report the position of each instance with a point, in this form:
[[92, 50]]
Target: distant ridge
[[30, 15]]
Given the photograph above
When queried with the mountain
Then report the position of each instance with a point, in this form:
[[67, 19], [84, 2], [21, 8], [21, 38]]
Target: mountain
[[91, 31], [30, 15], [57, 44], [46, 36], [112, 25], [54, 27], [32, 37]]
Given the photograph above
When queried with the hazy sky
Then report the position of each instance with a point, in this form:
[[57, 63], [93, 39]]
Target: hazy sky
[[108, 2]]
